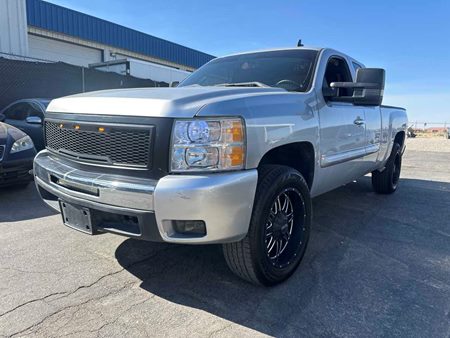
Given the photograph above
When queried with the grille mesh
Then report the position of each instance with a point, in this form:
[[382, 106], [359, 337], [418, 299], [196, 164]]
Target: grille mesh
[[117, 145]]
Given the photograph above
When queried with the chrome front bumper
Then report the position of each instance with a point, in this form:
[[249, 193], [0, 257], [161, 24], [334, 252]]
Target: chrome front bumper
[[224, 201]]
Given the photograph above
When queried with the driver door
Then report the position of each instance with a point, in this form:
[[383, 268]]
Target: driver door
[[342, 129]]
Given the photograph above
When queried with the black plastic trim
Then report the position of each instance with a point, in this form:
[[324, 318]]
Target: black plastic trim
[[146, 219], [99, 159], [160, 144], [15, 172]]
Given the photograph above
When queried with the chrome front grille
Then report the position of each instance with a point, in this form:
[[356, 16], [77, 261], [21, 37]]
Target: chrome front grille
[[117, 145]]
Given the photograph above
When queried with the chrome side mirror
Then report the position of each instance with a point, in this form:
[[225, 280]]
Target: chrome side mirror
[[33, 120]]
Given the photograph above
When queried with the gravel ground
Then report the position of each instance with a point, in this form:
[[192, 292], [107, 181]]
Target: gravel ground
[[431, 144], [376, 266]]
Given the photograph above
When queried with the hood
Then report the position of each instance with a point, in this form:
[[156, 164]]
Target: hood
[[157, 102], [8, 130]]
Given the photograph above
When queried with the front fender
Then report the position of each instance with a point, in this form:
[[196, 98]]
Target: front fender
[[272, 120]]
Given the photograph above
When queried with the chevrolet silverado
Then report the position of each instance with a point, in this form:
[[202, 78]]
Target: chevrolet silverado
[[232, 155]]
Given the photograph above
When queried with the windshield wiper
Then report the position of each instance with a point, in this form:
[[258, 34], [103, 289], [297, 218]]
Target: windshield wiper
[[242, 84]]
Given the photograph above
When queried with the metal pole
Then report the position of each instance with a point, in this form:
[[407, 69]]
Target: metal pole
[[82, 80]]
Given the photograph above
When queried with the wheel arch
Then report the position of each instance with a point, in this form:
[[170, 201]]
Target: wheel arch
[[297, 155], [400, 138]]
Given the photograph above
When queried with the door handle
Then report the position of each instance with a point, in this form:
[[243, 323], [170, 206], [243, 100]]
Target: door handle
[[359, 121]]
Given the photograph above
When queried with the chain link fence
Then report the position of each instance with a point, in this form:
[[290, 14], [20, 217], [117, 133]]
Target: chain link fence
[[23, 77]]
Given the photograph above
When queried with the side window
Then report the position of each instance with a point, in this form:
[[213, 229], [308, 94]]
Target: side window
[[35, 110], [17, 111], [356, 66], [337, 71]]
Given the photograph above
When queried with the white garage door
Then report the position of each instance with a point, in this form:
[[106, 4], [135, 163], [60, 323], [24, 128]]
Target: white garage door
[[54, 50]]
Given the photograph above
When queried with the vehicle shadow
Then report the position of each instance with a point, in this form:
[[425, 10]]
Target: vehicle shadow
[[21, 204], [366, 254]]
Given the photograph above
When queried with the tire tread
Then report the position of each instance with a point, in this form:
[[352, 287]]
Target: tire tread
[[238, 255], [381, 181]]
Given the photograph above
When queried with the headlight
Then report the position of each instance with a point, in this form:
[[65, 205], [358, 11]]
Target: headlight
[[200, 145], [22, 144]]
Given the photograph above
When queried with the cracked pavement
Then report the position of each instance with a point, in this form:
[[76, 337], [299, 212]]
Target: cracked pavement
[[375, 266]]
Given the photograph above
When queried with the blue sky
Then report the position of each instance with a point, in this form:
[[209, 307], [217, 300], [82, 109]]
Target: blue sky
[[409, 38]]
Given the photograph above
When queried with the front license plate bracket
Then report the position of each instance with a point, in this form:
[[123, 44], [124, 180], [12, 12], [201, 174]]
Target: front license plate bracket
[[76, 217]]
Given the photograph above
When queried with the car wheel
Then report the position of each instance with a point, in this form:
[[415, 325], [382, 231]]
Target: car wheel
[[386, 181], [279, 228]]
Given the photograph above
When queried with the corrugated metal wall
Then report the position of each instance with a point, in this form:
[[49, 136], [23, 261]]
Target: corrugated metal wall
[[59, 19], [13, 27]]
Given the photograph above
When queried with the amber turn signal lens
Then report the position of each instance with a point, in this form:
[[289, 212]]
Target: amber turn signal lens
[[236, 156], [236, 132], [101, 129], [77, 127]]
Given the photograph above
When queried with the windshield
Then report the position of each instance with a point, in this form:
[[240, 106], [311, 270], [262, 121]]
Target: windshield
[[288, 69]]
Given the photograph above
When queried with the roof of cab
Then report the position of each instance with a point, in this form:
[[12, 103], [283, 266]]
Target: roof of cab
[[272, 50]]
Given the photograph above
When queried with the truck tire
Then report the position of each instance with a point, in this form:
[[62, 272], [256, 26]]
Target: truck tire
[[279, 228], [386, 181]]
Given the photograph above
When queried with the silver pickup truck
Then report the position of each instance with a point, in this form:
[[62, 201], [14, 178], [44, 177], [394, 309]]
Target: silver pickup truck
[[233, 155]]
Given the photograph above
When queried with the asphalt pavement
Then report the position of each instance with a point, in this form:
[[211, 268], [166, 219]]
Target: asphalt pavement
[[375, 266]]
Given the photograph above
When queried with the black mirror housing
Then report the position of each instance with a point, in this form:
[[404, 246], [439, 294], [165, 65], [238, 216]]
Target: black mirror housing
[[368, 88], [2, 118], [369, 95]]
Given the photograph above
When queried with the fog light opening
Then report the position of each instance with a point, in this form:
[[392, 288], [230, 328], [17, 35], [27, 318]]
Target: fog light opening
[[189, 228]]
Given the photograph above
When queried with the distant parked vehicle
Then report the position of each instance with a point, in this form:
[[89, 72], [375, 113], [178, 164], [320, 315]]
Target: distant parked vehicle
[[411, 133], [16, 156], [28, 116]]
